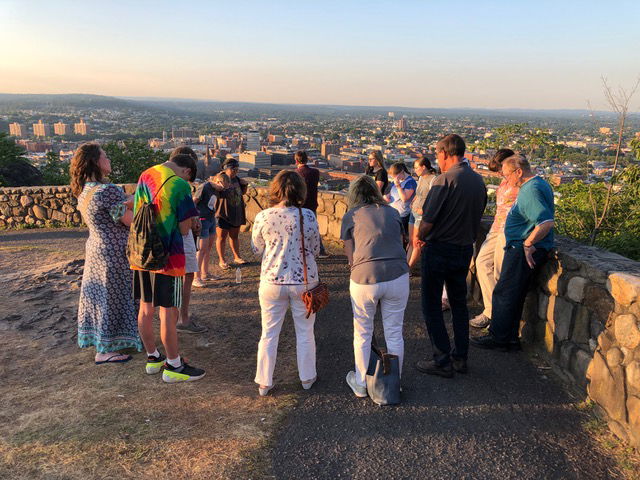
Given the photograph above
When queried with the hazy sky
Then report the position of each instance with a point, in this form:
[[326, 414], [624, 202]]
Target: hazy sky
[[430, 53]]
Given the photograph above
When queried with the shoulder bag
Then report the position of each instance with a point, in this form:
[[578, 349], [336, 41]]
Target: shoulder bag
[[318, 297]]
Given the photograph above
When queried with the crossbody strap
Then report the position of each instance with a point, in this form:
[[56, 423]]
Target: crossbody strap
[[158, 192], [304, 253]]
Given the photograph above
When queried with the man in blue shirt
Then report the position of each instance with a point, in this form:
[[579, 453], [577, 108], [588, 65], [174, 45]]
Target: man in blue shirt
[[529, 237]]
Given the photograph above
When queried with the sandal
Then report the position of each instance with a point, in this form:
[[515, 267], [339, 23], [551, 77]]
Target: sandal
[[224, 266], [115, 355], [240, 262]]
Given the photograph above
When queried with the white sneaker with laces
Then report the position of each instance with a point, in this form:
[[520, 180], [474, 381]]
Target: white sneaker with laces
[[198, 283], [359, 390]]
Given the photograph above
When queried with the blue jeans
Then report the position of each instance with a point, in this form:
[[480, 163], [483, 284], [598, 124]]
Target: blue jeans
[[446, 264], [511, 291]]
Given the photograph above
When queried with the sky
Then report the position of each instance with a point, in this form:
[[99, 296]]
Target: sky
[[430, 53]]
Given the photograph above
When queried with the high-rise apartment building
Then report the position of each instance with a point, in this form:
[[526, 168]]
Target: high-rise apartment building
[[329, 149], [402, 125], [17, 129], [41, 129], [61, 128], [253, 140], [81, 128]]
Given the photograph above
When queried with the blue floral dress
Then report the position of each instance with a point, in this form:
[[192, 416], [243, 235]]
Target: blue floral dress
[[106, 314]]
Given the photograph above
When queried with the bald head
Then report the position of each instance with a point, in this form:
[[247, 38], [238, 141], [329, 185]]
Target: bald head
[[515, 162]]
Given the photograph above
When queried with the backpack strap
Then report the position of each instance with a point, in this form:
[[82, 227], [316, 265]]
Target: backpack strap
[[158, 192]]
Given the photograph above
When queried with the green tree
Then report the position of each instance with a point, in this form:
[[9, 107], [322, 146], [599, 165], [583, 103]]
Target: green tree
[[55, 171], [620, 229], [15, 170], [635, 147], [130, 158]]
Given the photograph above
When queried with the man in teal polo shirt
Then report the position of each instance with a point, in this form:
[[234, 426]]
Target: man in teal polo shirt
[[529, 237]]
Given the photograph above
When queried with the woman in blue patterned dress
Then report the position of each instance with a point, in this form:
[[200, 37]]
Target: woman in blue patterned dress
[[106, 313]]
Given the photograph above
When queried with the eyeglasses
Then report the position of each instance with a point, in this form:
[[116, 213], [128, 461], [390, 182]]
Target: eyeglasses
[[510, 173]]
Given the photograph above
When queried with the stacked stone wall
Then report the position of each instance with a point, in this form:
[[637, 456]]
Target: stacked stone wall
[[41, 206], [584, 313], [583, 310]]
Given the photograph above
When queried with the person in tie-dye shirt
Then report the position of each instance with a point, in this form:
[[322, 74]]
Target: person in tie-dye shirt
[[167, 188], [491, 253]]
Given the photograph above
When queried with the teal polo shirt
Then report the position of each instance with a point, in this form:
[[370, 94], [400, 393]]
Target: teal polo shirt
[[534, 206]]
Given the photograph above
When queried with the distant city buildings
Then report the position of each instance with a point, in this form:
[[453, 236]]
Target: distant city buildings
[[81, 128], [61, 128], [17, 130], [327, 149], [605, 130], [402, 125], [41, 129], [254, 159], [253, 140]]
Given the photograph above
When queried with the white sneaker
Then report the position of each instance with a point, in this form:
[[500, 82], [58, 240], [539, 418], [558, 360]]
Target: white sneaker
[[359, 390], [480, 321], [198, 283]]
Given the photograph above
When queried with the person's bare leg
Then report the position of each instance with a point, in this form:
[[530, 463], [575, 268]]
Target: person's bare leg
[[208, 247], [201, 255], [145, 326], [410, 244], [168, 333], [234, 242], [185, 319], [221, 240]]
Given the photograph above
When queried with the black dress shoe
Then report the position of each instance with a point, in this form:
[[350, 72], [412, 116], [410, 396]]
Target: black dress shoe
[[488, 342], [432, 368], [459, 365]]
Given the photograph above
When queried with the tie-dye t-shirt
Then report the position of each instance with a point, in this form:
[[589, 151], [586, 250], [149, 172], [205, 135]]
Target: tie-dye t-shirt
[[173, 205]]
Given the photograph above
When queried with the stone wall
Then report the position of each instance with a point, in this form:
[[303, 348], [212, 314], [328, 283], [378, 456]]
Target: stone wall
[[331, 207], [41, 206], [583, 310], [584, 313]]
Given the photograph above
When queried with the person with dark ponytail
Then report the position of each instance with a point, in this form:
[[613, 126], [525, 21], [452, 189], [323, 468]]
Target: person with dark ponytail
[[106, 313]]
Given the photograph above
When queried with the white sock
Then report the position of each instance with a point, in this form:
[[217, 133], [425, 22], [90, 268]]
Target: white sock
[[155, 353], [174, 362]]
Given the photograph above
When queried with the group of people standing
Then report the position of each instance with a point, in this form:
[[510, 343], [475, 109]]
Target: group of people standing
[[392, 222]]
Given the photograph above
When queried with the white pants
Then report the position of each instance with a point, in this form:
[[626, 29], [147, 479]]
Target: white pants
[[274, 301], [489, 266], [393, 298]]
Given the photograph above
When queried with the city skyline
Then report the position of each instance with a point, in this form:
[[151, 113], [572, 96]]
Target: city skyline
[[534, 55]]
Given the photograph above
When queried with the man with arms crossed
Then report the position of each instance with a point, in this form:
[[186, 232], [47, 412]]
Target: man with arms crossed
[[452, 213]]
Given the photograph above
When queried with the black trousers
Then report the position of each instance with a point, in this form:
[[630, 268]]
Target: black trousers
[[446, 264], [511, 291]]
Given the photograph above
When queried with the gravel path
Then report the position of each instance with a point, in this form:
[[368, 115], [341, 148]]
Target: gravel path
[[505, 419]]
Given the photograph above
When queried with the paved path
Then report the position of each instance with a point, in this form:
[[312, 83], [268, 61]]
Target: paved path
[[503, 420]]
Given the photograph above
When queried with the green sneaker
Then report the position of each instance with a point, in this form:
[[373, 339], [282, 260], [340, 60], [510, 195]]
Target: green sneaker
[[183, 373], [154, 364]]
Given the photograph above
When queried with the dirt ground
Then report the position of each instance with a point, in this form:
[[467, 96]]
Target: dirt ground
[[66, 418]]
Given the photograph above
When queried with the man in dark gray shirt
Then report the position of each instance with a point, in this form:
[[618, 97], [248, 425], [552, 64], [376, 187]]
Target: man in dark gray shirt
[[452, 213]]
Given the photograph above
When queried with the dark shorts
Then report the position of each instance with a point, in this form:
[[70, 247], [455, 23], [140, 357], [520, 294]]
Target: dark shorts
[[224, 225], [161, 290], [208, 227]]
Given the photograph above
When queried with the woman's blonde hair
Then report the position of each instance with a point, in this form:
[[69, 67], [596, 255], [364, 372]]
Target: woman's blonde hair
[[221, 177], [364, 191], [289, 186]]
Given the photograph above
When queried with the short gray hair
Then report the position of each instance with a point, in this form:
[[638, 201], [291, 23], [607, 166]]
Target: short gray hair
[[364, 191], [517, 161]]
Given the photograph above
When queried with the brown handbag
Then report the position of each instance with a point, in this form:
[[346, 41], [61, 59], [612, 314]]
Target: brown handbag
[[318, 297]]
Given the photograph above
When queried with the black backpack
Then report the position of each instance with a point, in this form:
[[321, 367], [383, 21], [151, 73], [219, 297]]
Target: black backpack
[[145, 249]]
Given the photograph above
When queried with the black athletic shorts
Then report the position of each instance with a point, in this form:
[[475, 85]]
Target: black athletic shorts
[[224, 225], [161, 290]]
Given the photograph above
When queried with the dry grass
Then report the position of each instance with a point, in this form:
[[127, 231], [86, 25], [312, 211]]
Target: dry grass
[[66, 418]]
